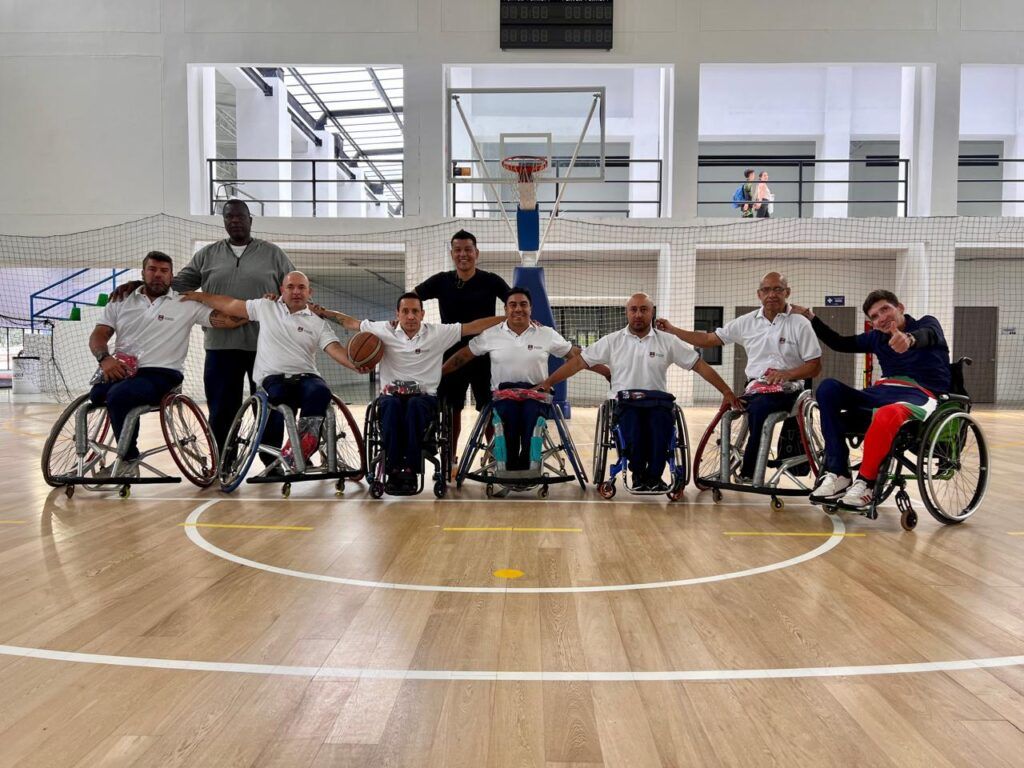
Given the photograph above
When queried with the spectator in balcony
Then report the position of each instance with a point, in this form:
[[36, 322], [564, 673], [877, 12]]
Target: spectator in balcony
[[764, 198], [744, 195]]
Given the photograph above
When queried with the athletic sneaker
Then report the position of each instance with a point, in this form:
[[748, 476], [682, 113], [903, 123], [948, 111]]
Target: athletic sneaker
[[830, 487], [658, 486], [858, 495]]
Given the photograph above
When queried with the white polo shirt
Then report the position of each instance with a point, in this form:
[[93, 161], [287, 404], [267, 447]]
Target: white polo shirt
[[784, 343], [417, 359], [156, 332], [640, 363], [288, 342], [519, 356]]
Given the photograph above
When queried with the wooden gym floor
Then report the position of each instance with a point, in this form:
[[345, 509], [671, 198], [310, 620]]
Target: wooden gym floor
[[353, 632]]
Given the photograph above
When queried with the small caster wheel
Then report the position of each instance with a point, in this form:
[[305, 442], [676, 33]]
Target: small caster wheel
[[125, 491], [69, 491], [778, 503], [440, 489], [376, 489], [716, 494], [908, 517], [490, 490], [339, 488], [543, 492], [286, 490], [606, 489], [675, 494]]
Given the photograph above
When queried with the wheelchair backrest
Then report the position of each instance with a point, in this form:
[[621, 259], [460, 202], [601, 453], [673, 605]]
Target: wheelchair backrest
[[956, 372]]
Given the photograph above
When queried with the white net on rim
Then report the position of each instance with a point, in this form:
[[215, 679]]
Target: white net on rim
[[521, 169]]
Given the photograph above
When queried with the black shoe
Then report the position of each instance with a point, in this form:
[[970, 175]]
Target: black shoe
[[658, 486], [641, 484]]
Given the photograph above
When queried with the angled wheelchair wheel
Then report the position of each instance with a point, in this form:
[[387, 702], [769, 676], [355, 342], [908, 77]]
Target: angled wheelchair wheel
[[952, 467], [243, 441], [707, 461], [189, 439], [682, 457], [808, 419], [373, 449], [60, 453], [602, 441], [348, 440]]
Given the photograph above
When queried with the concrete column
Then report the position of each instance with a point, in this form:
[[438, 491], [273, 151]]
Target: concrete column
[[647, 144], [264, 131], [940, 96], [202, 140], [834, 144], [917, 126], [674, 298], [681, 155]]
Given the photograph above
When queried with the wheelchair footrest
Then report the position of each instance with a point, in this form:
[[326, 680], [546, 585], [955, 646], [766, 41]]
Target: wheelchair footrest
[[299, 478], [117, 480], [518, 477], [761, 489]]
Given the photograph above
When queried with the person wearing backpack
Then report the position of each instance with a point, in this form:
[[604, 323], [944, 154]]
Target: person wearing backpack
[[744, 195]]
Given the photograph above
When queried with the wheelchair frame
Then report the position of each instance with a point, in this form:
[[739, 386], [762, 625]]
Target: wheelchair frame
[[296, 468], [439, 454], [678, 455], [936, 443], [552, 460], [729, 449], [93, 446]]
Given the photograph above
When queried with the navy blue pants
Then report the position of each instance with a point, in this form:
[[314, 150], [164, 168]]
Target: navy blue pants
[[518, 418], [147, 387], [834, 397], [310, 393], [646, 432], [403, 426], [224, 379], [759, 408]]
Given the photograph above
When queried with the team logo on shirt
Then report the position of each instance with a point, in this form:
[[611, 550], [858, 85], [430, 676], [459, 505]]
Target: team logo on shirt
[[655, 354], [300, 329], [164, 317], [417, 350]]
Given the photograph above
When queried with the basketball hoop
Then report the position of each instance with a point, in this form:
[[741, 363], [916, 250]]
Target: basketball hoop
[[524, 167]]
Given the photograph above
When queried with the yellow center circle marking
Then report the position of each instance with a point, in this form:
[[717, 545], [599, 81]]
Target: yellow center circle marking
[[508, 573]]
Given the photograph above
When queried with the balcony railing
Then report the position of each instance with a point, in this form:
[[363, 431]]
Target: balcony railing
[[312, 187], [988, 185], [881, 188]]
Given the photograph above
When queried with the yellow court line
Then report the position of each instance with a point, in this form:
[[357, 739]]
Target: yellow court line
[[779, 533], [517, 530], [13, 522], [1015, 533], [257, 527]]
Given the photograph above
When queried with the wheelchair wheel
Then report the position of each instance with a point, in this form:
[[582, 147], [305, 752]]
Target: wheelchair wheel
[[809, 421], [602, 438], [682, 457], [60, 454], [243, 441], [189, 440], [348, 440], [707, 462], [372, 446], [952, 467]]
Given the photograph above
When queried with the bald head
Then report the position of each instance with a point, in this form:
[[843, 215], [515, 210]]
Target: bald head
[[295, 291], [773, 292], [640, 313]]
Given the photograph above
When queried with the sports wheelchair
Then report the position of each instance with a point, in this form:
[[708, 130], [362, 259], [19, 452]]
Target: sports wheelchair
[[719, 455], [338, 455], [436, 448], [81, 450], [946, 454], [548, 469], [608, 436]]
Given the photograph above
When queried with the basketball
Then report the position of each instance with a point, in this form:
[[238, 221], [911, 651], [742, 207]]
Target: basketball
[[365, 349]]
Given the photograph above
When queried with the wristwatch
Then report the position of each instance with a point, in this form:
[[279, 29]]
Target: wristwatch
[[101, 356], [913, 340]]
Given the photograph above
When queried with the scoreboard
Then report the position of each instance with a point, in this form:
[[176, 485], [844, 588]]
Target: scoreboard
[[556, 24]]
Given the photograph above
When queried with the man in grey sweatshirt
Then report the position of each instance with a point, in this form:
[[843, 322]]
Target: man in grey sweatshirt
[[242, 267]]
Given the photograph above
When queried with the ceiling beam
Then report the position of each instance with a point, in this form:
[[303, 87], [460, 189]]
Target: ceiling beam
[[384, 97]]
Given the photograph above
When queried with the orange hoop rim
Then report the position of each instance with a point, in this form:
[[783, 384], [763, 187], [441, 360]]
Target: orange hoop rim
[[524, 166]]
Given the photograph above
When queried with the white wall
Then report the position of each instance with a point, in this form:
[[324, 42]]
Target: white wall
[[83, 85]]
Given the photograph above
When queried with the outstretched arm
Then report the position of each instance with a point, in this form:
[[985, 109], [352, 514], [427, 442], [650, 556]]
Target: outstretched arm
[[219, 320], [337, 352], [569, 368], [226, 304], [347, 322], [707, 373], [833, 340], [696, 338], [481, 325], [457, 360]]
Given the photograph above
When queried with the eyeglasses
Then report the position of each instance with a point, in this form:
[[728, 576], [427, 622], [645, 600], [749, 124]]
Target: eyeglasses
[[776, 289]]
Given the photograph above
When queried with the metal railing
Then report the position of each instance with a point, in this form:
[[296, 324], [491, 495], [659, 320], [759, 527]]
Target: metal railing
[[803, 199], [547, 191], [382, 183], [72, 299], [996, 177]]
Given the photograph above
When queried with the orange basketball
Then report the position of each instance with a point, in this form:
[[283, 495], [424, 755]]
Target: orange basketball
[[365, 349]]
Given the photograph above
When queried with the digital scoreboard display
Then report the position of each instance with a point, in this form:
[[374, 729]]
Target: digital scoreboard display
[[556, 24]]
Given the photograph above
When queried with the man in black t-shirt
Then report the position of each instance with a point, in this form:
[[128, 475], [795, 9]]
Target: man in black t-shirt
[[463, 295]]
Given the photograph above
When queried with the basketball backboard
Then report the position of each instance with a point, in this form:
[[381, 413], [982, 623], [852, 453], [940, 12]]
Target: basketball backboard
[[486, 124]]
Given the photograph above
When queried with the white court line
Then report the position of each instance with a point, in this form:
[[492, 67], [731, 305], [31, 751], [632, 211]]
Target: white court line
[[194, 534], [357, 673]]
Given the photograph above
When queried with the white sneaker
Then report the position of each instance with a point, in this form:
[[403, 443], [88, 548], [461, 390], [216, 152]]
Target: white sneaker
[[858, 495], [829, 487]]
